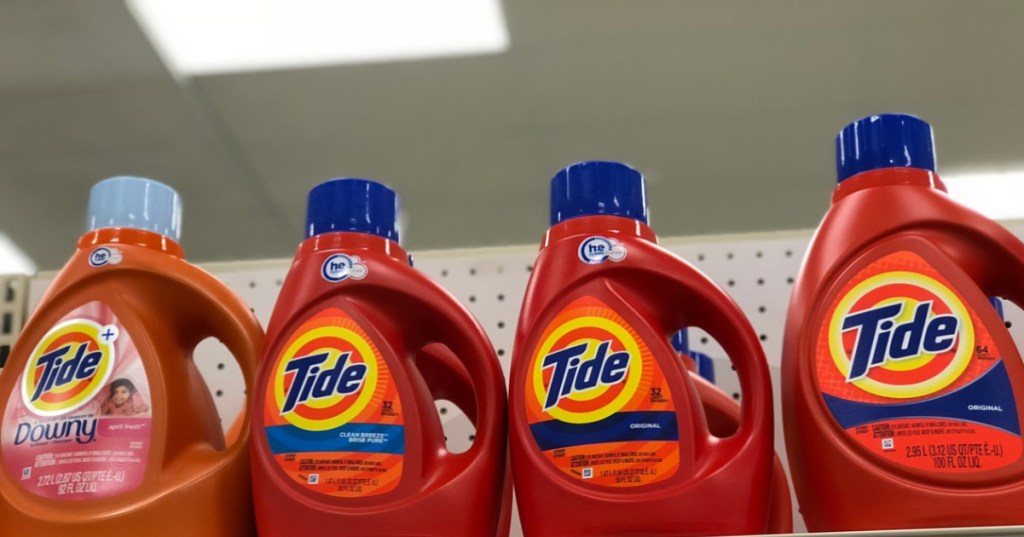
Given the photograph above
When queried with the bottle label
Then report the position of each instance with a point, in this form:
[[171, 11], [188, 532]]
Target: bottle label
[[78, 425], [334, 418], [908, 369], [595, 250], [597, 402]]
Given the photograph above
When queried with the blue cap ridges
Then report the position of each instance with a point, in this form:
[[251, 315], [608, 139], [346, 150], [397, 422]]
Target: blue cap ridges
[[598, 188], [352, 204], [135, 202], [884, 141]]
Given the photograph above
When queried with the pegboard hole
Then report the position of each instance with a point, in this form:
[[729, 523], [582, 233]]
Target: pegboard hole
[[700, 257], [731, 283], [529, 268], [789, 253], [760, 281], [501, 324], [501, 297], [472, 272], [472, 298], [759, 254], [278, 283], [763, 337], [444, 273], [761, 309], [501, 352], [252, 284], [729, 255], [789, 280]]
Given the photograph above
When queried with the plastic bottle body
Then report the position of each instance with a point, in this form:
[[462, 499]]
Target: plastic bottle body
[[149, 308], [426, 346], [689, 486], [901, 216]]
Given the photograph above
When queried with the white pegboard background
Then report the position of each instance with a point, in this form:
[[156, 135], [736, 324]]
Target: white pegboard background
[[757, 270]]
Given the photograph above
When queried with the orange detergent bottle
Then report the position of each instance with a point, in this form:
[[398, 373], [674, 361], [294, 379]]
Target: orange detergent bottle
[[902, 388], [108, 427], [347, 440], [607, 431]]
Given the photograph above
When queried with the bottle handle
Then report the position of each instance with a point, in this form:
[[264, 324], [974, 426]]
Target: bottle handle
[[469, 345], [447, 379], [219, 313], [731, 329], [709, 308]]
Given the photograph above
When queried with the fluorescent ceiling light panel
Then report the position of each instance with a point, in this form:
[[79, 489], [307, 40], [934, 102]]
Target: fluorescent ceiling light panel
[[995, 195], [200, 37], [12, 259]]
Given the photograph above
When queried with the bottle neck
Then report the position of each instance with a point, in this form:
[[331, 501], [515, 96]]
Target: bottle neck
[[350, 240], [612, 225], [887, 177], [132, 236]]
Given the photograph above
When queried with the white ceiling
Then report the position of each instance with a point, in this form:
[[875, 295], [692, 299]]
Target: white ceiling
[[729, 107]]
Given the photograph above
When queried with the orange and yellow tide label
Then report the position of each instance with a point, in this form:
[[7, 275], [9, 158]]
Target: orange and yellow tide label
[[333, 416], [597, 402], [907, 368], [79, 424]]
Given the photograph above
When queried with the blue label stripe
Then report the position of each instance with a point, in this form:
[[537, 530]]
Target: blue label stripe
[[357, 437], [620, 427], [991, 389]]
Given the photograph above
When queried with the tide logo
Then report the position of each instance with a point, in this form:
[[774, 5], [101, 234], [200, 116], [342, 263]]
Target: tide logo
[[68, 367], [324, 378], [586, 369], [901, 335]]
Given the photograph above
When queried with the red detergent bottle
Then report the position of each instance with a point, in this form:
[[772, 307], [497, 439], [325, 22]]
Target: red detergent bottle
[[607, 431], [346, 437], [901, 385]]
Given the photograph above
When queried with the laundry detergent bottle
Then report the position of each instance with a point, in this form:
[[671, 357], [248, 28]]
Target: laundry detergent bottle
[[108, 427], [902, 389], [607, 431], [347, 440]]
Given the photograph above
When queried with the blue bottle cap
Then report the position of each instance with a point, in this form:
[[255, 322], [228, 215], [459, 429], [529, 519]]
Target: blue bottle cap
[[884, 141], [598, 187], [350, 204], [135, 202]]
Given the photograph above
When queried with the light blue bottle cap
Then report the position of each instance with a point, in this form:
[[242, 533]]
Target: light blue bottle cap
[[135, 202]]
